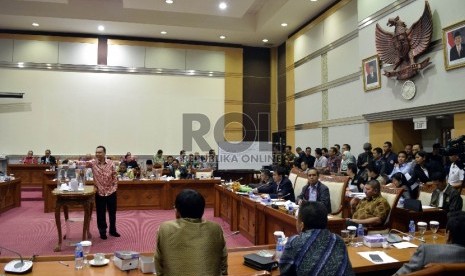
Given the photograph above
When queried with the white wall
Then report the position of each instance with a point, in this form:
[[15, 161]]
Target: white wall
[[308, 138], [72, 113]]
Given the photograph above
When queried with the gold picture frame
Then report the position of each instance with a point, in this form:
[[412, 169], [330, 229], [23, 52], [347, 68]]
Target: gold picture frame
[[371, 73], [451, 36]]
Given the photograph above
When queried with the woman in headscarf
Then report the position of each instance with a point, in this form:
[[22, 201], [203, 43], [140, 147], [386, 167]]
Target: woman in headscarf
[[347, 158]]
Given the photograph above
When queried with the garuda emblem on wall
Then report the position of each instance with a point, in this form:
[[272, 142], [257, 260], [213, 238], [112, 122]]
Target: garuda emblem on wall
[[404, 45]]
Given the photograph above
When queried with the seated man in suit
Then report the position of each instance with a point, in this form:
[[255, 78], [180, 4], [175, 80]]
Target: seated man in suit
[[452, 252], [177, 171], [48, 158], [190, 245], [372, 210], [445, 196], [266, 185], [314, 190], [284, 187]]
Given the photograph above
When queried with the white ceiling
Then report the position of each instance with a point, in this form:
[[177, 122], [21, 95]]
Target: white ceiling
[[245, 22]]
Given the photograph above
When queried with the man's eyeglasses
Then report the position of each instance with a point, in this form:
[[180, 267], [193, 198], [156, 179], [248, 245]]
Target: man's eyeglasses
[[311, 175]]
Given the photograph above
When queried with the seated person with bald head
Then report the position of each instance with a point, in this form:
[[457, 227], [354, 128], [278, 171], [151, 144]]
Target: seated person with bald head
[[315, 250], [372, 210], [190, 245], [314, 190]]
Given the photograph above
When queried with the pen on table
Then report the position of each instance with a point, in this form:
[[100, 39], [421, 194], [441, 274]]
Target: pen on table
[[63, 263]]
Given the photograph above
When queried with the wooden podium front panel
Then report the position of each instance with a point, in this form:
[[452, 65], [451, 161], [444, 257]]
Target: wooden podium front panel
[[205, 187], [140, 195], [32, 175], [10, 194], [224, 206], [247, 218]]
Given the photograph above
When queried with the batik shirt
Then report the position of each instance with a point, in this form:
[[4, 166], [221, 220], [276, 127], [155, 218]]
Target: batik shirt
[[315, 252]]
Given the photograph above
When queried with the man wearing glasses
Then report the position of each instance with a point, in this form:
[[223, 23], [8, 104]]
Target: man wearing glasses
[[314, 190]]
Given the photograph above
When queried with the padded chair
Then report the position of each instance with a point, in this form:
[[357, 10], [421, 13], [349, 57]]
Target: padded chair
[[337, 187], [425, 194], [441, 269], [392, 196], [300, 182], [463, 200], [293, 176]]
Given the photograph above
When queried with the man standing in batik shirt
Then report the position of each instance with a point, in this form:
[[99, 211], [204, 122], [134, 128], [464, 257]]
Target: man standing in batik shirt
[[105, 180]]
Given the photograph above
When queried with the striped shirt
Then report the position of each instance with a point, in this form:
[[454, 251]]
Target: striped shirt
[[315, 252]]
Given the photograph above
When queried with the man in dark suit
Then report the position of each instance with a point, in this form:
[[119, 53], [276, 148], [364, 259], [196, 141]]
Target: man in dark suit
[[284, 187], [177, 171], [458, 51], [452, 252], [266, 185], [314, 190], [372, 76], [445, 196], [48, 158]]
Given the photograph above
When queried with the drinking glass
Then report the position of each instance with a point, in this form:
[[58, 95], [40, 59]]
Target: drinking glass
[[86, 245], [422, 229], [345, 236], [434, 226], [352, 230]]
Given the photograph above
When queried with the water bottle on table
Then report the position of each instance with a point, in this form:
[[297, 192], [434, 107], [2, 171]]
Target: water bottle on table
[[411, 230], [279, 249], [360, 233], [78, 257]]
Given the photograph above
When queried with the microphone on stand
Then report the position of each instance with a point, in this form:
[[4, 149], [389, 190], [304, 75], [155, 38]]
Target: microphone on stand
[[283, 196], [17, 266], [239, 179], [393, 238]]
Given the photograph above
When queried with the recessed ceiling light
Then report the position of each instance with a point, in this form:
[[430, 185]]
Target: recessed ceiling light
[[284, 24], [169, 1], [265, 40], [222, 37], [163, 32], [35, 24], [101, 28], [313, 0], [223, 6]]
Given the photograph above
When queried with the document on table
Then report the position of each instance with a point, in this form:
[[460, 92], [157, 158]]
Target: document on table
[[403, 245], [427, 207], [385, 258]]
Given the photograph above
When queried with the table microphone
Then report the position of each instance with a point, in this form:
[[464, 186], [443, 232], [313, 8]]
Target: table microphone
[[393, 238], [239, 179], [232, 234], [17, 266]]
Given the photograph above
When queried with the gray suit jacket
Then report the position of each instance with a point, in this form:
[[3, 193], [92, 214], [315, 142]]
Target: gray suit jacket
[[433, 253]]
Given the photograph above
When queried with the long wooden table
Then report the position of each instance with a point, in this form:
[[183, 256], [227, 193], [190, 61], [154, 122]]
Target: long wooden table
[[256, 221], [146, 194], [32, 175], [44, 265], [10, 194]]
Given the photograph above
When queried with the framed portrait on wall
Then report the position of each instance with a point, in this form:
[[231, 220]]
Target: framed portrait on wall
[[371, 73], [453, 39]]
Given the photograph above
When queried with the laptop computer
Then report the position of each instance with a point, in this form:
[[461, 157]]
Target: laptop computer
[[413, 204]]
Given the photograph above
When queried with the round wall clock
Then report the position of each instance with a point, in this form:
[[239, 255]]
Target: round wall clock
[[408, 90]]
